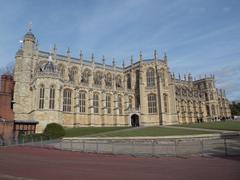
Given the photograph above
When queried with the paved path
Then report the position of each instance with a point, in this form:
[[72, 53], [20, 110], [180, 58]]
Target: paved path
[[32, 163]]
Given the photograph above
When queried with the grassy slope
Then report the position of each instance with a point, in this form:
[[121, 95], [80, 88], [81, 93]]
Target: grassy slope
[[86, 131], [226, 125], [151, 131]]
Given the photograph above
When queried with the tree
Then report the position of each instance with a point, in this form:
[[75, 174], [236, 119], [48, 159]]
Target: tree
[[235, 109], [8, 69]]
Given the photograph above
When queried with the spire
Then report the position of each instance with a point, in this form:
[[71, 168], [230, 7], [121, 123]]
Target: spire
[[54, 48], [123, 64], [81, 57], [185, 78], [179, 76]]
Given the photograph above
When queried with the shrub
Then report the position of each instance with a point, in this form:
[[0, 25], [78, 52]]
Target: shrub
[[54, 131]]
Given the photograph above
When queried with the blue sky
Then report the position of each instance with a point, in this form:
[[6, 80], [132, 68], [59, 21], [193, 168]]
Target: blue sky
[[200, 36]]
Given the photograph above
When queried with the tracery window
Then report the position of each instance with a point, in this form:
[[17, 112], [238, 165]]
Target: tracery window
[[129, 84], [120, 104], [41, 96], [150, 77], [130, 106], [52, 97], [85, 76], [95, 103], [108, 80], [82, 102], [72, 74], [118, 81], [152, 103], [67, 100], [98, 78], [108, 103], [165, 99]]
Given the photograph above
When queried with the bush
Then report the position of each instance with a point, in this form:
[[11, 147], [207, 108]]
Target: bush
[[54, 131]]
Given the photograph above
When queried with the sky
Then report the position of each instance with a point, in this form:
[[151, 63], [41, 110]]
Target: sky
[[200, 36]]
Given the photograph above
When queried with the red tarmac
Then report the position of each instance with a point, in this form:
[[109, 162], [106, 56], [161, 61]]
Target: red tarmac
[[37, 163]]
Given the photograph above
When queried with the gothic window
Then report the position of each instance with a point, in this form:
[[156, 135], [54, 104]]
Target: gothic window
[[72, 74], [208, 110], [108, 80], [194, 107], [162, 77], [213, 110], [67, 100], [85, 76], [108, 103], [152, 103], [82, 102], [165, 99], [178, 91], [129, 84], [209, 85], [95, 103], [130, 103], [118, 81], [184, 92], [206, 96], [98, 78], [52, 97], [150, 77], [41, 97], [211, 96], [120, 104], [61, 69]]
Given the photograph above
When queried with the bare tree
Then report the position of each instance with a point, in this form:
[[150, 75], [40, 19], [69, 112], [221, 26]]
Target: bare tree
[[8, 69]]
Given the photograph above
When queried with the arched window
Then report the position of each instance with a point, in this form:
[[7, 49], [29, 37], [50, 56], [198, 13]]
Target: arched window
[[52, 97], [98, 78], [108, 103], [208, 110], [95, 103], [129, 84], [152, 103], [61, 69], [120, 104], [82, 102], [85, 76], [73, 74], [162, 77], [213, 110], [150, 77], [108, 80], [165, 99], [41, 96], [118, 81], [130, 103], [67, 100], [211, 96]]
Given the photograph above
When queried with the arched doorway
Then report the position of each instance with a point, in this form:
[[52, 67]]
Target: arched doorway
[[135, 120]]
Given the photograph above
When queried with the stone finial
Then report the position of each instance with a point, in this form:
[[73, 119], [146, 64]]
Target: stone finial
[[189, 77], [81, 55], [131, 60], [173, 74], [140, 56], [30, 26], [155, 54], [113, 62], [179, 76], [68, 53], [123, 64], [103, 60], [165, 56], [54, 48], [185, 77], [93, 58]]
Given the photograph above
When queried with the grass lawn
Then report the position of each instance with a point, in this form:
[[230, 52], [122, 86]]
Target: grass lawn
[[225, 125], [86, 131], [151, 131]]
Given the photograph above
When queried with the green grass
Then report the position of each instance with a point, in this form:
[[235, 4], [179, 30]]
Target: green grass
[[225, 125], [87, 131], [151, 131]]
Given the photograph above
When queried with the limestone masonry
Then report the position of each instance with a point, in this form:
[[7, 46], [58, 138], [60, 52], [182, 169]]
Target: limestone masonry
[[76, 92]]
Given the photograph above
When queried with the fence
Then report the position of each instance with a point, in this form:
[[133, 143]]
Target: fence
[[225, 145]]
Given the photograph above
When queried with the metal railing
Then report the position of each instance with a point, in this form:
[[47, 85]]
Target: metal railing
[[222, 146]]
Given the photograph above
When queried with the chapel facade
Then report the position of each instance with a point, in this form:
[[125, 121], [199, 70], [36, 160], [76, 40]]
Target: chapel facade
[[76, 92]]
